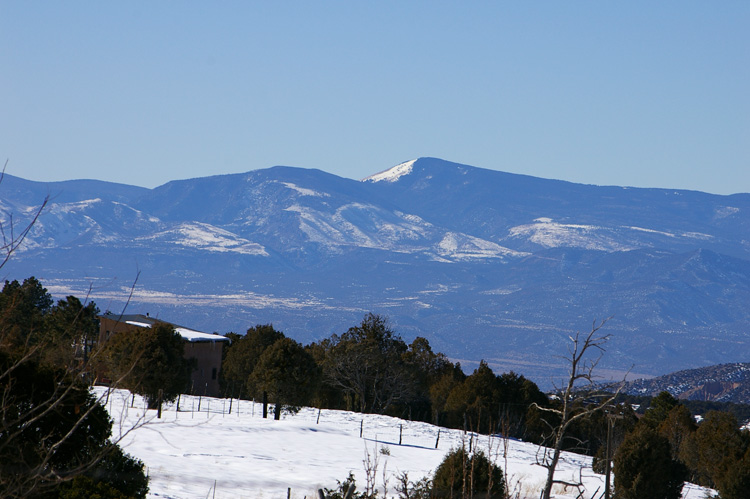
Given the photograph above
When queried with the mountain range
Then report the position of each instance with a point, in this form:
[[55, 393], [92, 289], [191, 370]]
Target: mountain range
[[485, 264]]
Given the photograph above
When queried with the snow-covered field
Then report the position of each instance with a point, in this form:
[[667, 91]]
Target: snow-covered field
[[214, 454]]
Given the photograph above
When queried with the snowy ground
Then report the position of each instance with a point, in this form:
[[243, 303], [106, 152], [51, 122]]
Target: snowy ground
[[215, 454]]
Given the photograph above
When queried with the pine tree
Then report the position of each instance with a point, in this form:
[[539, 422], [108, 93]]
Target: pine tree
[[243, 355], [677, 428], [150, 361], [644, 468], [288, 373], [658, 410], [713, 448]]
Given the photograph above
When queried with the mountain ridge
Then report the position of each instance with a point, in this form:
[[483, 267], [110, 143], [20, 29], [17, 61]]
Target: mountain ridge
[[718, 383], [484, 264]]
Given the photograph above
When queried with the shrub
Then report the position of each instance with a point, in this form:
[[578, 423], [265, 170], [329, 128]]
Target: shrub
[[468, 475]]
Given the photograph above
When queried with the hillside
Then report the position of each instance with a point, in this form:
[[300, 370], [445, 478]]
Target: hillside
[[214, 453], [721, 383], [485, 264]]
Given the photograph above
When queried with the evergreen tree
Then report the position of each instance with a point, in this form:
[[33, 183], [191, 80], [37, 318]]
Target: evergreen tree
[[476, 399], [426, 368], [712, 449], [53, 431], [70, 330], [149, 360], [677, 428], [243, 355], [440, 391], [735, 483], [116, 476], [22, 311], [658, 410], [366, 364], [288, 373], [644, 468]]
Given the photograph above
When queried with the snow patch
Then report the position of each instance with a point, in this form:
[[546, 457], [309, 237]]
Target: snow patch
[[550, 234], [306, 192], [697, 235], [193, 336], [209, 238], [725, 211], [652, 231], [362, 225], [70, 207], [462, 247]]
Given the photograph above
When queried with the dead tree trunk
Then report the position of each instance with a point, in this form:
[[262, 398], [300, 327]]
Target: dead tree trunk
[[581, 373]]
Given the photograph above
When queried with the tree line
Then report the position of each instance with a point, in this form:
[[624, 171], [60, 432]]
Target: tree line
[[48, 358], [371, 369]]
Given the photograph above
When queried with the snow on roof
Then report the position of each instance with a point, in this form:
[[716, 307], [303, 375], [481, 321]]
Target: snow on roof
[[192, 335], [138, 324], [187, 334]]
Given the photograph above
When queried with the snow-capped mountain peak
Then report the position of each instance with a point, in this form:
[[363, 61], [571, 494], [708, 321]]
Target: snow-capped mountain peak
[[392, 174]]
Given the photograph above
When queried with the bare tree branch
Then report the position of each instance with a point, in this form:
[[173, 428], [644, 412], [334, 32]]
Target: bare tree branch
[[11, 240], [576, 401]]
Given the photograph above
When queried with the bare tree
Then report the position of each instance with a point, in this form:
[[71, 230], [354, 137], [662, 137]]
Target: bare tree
[[580, 398]]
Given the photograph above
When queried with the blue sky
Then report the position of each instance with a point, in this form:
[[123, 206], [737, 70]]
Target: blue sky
[[652, 94]]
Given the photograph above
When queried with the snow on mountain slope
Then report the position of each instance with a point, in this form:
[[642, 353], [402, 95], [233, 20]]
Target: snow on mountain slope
[[462, 247], [208, 238], [88, 222], [392, 174], [206, 451], [367, 226], [305, 192], [357, 224], [550, 234]]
